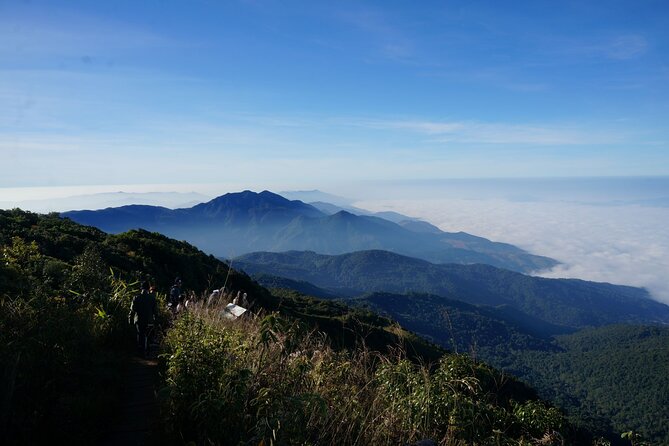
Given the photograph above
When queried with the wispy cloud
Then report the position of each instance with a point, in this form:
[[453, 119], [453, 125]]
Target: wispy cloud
[[498, 133], [626, 47], [457, 131], [26, 144], [387, 40], [512, 77], [428, 127], [619, 47], [73, 35]]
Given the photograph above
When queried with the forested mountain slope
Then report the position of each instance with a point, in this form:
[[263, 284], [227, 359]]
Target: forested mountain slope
[[567, 302], [617, 374]]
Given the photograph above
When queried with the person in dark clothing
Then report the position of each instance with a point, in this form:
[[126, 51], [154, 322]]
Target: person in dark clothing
[[175, 295], [142, 312]]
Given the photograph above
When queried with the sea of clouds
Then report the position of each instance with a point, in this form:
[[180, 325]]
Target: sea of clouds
[[607, 230], [620, 243]]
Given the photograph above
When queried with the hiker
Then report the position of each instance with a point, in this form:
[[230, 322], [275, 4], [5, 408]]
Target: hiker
[[142, 312], [191, 300], [175, 295], [213, 298]]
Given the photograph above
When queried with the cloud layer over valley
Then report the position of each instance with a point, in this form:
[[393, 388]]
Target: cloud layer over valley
[[624, 244]]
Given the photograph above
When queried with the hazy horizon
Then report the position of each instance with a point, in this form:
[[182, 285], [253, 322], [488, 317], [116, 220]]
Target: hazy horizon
[[652, 186], [609, 229]]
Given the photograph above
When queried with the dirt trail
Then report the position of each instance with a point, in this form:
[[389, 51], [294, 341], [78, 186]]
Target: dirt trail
[[139, 408]]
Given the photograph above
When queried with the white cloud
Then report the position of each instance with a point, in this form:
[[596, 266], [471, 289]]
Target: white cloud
[[626, 245]]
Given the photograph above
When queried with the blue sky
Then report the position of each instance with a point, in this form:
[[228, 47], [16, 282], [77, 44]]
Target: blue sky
[[305, 94]]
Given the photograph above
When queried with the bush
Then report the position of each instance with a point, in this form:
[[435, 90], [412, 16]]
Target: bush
[[267, 379], [59, 375]]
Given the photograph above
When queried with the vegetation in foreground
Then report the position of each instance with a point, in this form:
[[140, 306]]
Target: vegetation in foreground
[[607, 379], [269, 380], [65, 291], [60, 328]]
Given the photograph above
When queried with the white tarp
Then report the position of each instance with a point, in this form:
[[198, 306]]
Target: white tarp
[[232, 311]]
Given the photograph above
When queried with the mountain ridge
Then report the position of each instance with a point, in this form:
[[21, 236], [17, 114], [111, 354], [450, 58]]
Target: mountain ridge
[[571, 303], [243, 222]]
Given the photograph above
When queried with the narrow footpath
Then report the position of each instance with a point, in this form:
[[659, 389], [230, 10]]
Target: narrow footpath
[[139, 408]]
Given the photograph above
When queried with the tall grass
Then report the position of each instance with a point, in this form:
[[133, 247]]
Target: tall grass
[[62, 339], [58, 378], [268, 380]]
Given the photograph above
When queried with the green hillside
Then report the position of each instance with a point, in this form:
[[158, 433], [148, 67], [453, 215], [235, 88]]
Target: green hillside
[[618, 373], [277, 282], [479, 330], [65, 291], [566, 302], [599, 389]]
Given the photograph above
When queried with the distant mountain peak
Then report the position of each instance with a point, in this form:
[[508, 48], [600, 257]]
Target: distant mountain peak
[[344, 214], [248, 221], [255, 202], [250, 197]]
